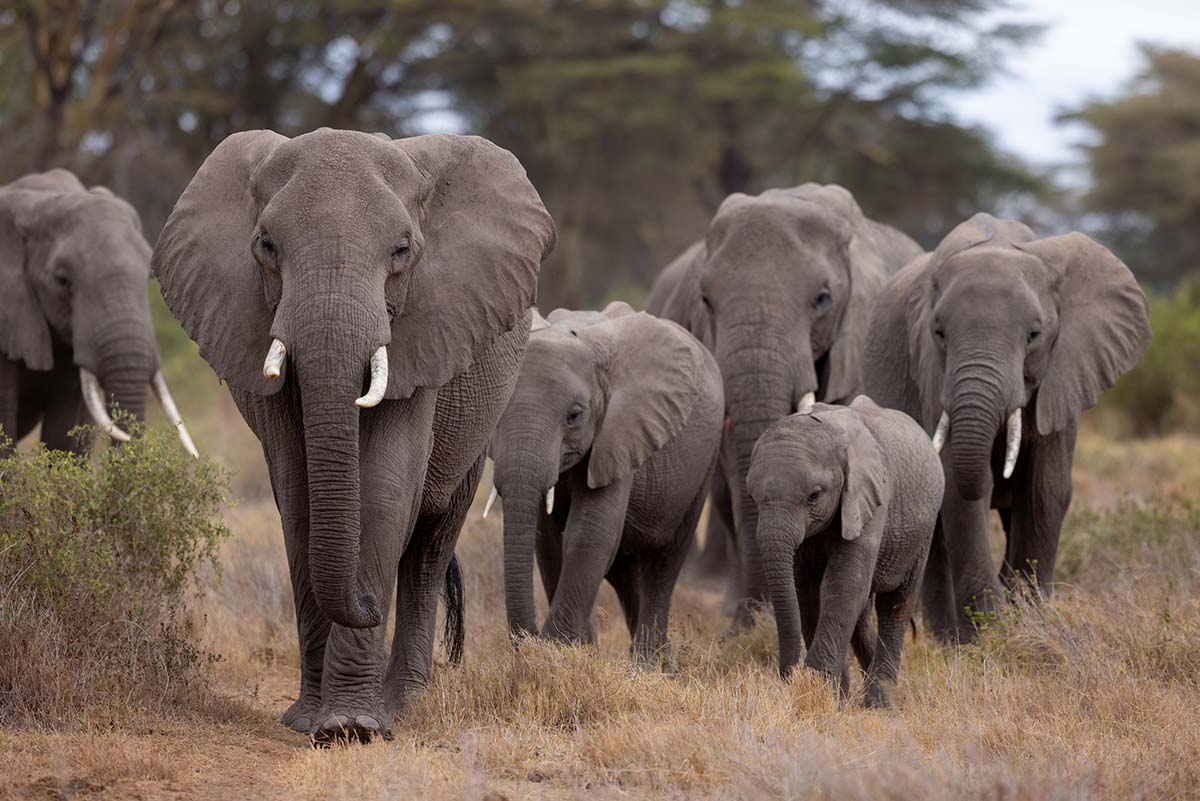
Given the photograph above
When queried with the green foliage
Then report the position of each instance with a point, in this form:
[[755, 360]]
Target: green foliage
[[97, 559], [1161, 535], [1163, 392]]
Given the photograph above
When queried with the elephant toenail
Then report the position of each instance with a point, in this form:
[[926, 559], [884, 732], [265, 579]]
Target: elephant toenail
[[367, 722]]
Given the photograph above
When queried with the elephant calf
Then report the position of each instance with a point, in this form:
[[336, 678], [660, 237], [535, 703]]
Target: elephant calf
[[848, 498], [603, 457]]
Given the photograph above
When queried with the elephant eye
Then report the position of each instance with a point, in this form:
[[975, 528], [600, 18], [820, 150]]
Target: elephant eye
[[1032, 336], [63, 280], [264, 242], [402, 249], [823, 300], [574, 415], [813, 497], [705, 300], [940, 333]]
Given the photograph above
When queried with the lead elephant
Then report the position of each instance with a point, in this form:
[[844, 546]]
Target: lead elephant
[[368, 302], [615, 422], [996, 342], [75, 327], [780, 291]]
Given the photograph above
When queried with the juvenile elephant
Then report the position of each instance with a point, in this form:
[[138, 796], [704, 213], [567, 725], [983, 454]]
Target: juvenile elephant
[[996, 342], [75, 325], [780, 291], [602, 458], [398, 273], [848, 498]]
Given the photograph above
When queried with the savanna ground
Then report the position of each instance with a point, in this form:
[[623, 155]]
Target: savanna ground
[[1093, 695]]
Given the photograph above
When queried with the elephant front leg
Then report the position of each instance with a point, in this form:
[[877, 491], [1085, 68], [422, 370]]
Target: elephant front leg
[[421, 577], [1041, 498], [967, 553], [845, 588], [590, 541]]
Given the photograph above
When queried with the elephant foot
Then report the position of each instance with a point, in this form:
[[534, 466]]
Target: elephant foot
[[880, 695], [340, 725], [401, 697], [301, 715]]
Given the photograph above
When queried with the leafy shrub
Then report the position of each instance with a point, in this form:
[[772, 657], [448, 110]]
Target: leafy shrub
[[1163, 392], [97, 557]]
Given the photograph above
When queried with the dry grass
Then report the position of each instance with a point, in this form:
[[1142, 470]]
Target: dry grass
[[1090, 696]]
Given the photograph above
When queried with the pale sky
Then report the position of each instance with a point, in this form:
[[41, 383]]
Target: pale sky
[[1088, 50]]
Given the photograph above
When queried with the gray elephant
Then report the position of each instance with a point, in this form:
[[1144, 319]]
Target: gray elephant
[[780, 291], [847, 499], [75, 327], [388, 284], [996, 342], [614, 424]]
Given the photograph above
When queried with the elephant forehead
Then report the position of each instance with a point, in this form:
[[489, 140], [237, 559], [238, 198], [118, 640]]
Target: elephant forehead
[[983, 274], [328, 163], [555, 357]]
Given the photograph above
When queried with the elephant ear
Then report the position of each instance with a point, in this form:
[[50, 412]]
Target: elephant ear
[[24, 334], [203, 263], [486, 233], [676, 294], [868, 487], [1104, 326], [654, 371]]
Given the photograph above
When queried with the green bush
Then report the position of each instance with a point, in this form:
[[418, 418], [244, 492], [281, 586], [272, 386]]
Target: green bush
[[97, 559], [1162, 393]]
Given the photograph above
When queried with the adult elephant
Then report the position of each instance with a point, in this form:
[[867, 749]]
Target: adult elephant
[[996, 342], [780, 291], [388, 284], [75, 326]]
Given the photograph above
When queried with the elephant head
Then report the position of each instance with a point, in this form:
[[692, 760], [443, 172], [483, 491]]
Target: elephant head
[[1004, 330], [74, 269], [316, 260], [810, 473], [601, 398]]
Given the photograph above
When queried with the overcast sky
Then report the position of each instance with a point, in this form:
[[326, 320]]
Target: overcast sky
[[1089, 49]]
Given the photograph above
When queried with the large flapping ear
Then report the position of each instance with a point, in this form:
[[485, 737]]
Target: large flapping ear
[[867, 490], [654, 372], [208, 275], [1104, 326], [24, 332], [676, 294], [485, 233]]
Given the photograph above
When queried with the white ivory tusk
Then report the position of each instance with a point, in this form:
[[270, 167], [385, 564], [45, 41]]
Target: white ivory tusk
[[806, 403], [379, 379], [273, 366], [550, 501], [1013, 446], [159, 385], [939, 435], [93, 397], [491, 501]]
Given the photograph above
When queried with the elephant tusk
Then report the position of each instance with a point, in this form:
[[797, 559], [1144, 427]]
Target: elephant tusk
[[1013, 446], [379, 379], [491, 501], [159, 385], [273, 366], [806, 403], [939, 435], [550, 501], [93, 397]]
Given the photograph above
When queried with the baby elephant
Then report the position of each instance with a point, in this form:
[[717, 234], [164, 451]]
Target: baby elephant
[[847, 498], [602, 459]]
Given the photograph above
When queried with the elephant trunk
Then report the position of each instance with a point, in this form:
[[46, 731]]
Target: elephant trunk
[[126, 361], [779, 531], [977, 408], [330, 368], [521, 510]]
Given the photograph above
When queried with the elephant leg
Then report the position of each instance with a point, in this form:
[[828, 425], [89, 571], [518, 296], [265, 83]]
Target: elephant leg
[[863, 641], [716, 557], [937, 589], [590, 542], [393, 455], [623, 576], [281, 436], [660, 572], [65, 411], [845, 588], [10, 393], [977, 590], [421, 576], [1041, 499], [893, 610]]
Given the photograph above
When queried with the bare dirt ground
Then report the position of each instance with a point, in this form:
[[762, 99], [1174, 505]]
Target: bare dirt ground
[[1091, 696]]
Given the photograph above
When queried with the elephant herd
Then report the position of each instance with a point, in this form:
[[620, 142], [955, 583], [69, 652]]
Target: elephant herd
[[850, 406]]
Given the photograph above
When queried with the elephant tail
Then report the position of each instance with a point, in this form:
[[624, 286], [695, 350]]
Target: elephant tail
[[453, 634]]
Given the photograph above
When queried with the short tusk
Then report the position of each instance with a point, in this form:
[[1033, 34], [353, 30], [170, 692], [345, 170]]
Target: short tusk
[[491, 501], [159, 385], [1013, 446], [806, 403], [93, 397], [379, 380], [550, 501], [273, 366], [939, 434]]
